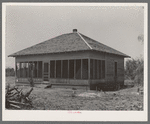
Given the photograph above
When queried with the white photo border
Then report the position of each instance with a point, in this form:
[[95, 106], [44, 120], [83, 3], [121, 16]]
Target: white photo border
[[55, 115]]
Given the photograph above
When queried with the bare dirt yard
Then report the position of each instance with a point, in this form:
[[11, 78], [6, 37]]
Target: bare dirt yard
[[64, 99]]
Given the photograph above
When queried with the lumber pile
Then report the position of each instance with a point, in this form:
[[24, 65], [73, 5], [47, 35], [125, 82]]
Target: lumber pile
[[16, 98]]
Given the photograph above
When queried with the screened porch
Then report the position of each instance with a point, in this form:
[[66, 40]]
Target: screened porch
[[76, 69]]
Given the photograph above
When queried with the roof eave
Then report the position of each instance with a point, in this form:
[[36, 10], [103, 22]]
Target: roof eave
[[12, 55]]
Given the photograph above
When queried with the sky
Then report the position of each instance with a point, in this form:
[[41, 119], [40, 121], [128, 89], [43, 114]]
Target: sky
[[117, 27]]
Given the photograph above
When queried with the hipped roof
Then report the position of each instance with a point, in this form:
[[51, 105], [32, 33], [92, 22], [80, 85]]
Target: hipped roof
[[67, 43]]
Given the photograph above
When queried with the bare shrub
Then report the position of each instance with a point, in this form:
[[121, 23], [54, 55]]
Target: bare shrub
[[134, 71]]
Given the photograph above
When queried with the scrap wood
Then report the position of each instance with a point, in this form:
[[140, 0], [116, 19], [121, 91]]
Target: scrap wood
[[15, 97], [11, 95], [15, 106], [19, 103], [28, 93]]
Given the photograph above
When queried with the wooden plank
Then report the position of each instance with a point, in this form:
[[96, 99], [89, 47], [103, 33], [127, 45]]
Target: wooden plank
[[15, 106]]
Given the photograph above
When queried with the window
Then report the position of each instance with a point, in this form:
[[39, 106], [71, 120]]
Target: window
[[85, 69], [97, 69], [71, 68], [58, 69], [65, 69], [52, 69], [78, 69]]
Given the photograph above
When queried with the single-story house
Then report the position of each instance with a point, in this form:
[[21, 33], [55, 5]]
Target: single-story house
[[72, 60]]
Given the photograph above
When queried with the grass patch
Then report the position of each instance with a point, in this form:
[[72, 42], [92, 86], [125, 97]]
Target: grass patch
[[61, 99]]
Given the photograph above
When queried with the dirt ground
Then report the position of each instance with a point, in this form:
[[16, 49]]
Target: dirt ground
[[64, 99]]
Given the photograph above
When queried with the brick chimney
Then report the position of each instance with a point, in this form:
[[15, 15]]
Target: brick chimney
[[74, 30]]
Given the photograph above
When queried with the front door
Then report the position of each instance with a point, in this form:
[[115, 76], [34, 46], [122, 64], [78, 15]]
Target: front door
[[46, 71]]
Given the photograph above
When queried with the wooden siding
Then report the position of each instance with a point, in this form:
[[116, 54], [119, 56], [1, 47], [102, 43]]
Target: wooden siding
[[69, 81], [110, 60], [60, 56], [25, 80]]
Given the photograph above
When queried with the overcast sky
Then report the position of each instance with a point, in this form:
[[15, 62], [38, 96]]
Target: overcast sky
[[117, 27]]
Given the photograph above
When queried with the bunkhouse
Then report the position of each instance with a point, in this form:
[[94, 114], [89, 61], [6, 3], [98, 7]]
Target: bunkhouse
[[71, 60]]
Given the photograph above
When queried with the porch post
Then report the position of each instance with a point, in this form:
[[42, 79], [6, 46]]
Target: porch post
[[28, 70], [15, 70], [49, 70], [89, 69], [43, 71], [89, 72]]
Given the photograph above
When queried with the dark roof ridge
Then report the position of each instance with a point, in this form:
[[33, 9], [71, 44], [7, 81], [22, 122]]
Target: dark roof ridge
[[104, 45]]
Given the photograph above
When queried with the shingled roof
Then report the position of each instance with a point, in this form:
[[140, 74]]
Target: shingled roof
[[67, 43]]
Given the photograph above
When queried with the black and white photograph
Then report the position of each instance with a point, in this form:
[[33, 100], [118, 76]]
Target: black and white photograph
[[74, 61]]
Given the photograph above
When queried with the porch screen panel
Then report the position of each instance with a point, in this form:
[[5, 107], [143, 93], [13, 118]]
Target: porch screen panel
[[71, 69], [18, 70], [103, 68], [58, 69], [115, 69], [27, 70], [78, 69], [35, 70], [21, 69], [65, 69], [95, 69], [30, 69], [100, 72], [52, 69], [85, 69], [91, 69], [40, 69], [24, 70]]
